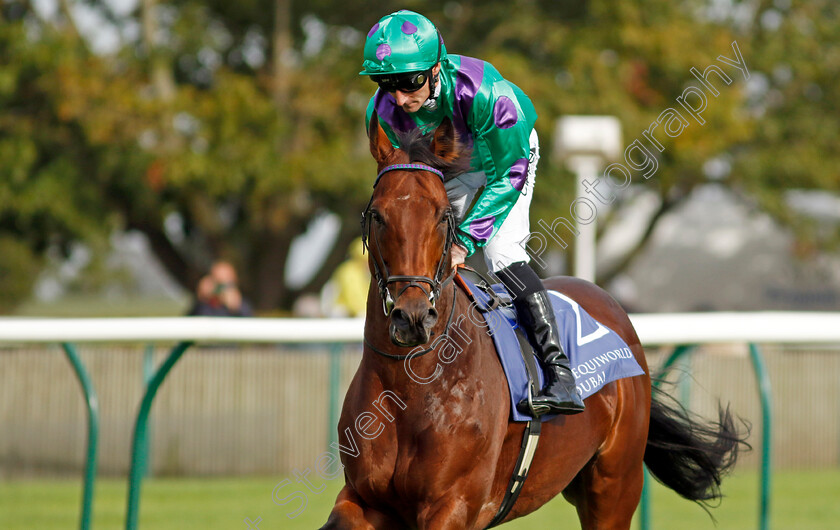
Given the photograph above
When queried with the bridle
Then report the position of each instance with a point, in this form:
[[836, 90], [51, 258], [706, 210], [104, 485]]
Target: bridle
[[383, 279]]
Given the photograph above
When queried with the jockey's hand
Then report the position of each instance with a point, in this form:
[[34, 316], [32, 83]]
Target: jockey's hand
[[459, 254]]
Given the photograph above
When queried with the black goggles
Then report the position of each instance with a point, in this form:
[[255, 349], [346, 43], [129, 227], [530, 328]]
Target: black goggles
[[410, 82]]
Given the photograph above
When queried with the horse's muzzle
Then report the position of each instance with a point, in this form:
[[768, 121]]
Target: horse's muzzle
[[412, 326]]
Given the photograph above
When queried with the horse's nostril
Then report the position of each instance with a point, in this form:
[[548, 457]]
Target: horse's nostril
[[431, 318], [399, 318]]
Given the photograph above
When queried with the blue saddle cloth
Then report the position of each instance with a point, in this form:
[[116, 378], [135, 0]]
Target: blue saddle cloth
[[598, 355]]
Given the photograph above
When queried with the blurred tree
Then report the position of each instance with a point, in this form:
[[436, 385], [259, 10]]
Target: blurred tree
[[793, 93], [631, 60], [204, 165], [16, 267], [221, 129]]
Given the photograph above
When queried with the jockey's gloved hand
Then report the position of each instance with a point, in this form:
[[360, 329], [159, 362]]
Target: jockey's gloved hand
[[459, 254]]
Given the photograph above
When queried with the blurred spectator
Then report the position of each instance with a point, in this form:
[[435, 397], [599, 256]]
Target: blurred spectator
[[307, 306], [218, 295], [348, 287]]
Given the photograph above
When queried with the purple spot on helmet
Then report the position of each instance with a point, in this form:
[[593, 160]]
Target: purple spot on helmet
[[504, 113], [482, 229], [382, 51], [518, 173], [408, 28], [373, 29]]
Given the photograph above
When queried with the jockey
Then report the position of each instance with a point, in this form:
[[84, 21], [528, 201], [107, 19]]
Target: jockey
[[419, 85]]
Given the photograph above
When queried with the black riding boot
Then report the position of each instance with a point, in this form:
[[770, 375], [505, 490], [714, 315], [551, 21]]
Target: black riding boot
[[559, 394]]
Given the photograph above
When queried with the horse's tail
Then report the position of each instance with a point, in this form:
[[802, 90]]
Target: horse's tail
[[688, 455]]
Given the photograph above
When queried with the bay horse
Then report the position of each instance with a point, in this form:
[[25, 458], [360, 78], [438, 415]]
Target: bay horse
[[426, 440]]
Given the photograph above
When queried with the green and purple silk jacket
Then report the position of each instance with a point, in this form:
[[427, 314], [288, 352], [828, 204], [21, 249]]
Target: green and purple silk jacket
[[491, 115]]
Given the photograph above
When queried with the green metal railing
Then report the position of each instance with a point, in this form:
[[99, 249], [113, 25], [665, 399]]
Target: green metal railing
[[766, 431], [93, 433], [138, 447], [763, 380], [140, 442], [140, 458]]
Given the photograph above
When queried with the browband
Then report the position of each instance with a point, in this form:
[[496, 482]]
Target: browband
[[424, 167]]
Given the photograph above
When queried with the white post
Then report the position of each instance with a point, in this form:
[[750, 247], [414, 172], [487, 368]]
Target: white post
[[585, 167], [587, 143]]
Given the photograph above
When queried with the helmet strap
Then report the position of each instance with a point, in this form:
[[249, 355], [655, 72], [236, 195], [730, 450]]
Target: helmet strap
[[434, 93]]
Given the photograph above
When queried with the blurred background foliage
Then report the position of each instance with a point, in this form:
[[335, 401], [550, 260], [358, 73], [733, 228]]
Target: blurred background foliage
[[222, 129]]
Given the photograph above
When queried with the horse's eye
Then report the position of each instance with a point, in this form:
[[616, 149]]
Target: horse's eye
[[377, 217]]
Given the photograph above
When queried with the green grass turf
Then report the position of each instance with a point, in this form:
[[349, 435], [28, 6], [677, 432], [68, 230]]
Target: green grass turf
[[806, 499]]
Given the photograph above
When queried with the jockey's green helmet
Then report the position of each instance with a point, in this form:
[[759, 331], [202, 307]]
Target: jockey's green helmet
[[402, 42]]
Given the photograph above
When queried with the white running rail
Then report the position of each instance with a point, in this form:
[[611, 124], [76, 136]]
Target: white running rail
[[653, 329]]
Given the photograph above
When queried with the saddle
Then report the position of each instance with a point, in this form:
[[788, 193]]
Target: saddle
[[597, 354]]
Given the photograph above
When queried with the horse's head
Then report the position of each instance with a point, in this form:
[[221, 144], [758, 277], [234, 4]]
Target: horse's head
[[409, 227]]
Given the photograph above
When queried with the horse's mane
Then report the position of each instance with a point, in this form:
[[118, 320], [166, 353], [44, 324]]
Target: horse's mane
[[418, 147]]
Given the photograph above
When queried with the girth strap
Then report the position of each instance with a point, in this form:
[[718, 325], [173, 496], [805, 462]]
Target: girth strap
[[530, 439]]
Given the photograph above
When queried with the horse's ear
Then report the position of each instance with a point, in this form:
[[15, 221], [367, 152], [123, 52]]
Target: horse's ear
[[380, 144], [444, 141]]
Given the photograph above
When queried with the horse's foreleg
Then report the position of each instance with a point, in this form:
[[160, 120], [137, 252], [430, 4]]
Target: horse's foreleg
[[351, 513], [348, 513]]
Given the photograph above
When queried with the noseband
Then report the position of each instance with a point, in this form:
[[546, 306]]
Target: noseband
[[384, 280]]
